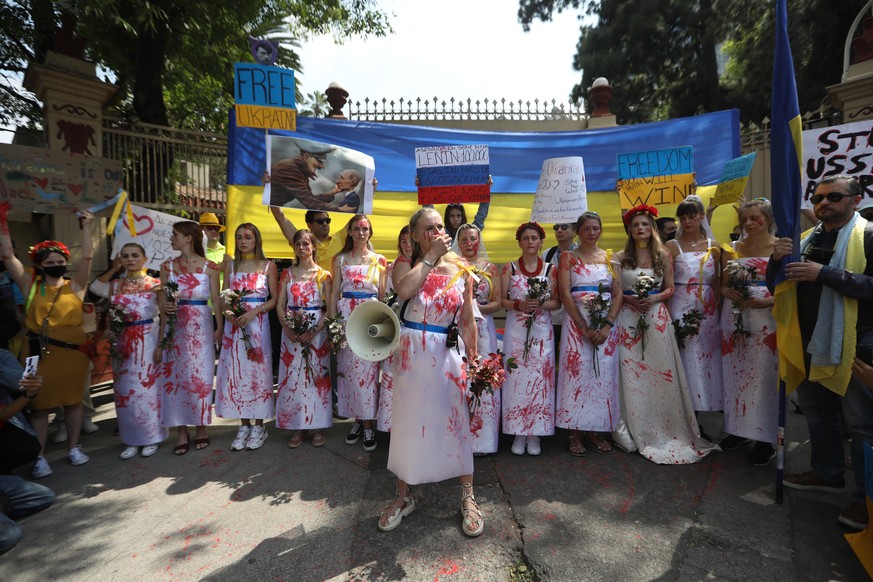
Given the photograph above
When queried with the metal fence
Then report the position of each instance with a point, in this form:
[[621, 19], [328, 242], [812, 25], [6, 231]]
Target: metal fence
[[169, 169], [418, 109]]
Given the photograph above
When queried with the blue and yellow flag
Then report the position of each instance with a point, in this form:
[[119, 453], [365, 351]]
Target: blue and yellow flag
[[786, 153]]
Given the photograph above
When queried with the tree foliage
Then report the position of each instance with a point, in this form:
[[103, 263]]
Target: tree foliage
[[662, 59], [173, 59]]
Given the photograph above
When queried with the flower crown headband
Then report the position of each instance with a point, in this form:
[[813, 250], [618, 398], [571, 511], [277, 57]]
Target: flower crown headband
[[533, 225], [48, 246], [641, 209]]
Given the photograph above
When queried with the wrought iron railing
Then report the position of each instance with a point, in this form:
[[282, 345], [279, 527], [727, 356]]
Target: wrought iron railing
[[169, 169], [435, 109]]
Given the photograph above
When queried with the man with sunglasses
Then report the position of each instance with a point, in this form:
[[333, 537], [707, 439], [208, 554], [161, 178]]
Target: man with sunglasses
[[326, 245], [834, 299]]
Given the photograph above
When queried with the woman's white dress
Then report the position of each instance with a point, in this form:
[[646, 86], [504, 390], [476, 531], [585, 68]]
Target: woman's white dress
[[430, 433], [587, 396], [701, 353], [529, 390], [485, 422], [655, 401], [750, 365]]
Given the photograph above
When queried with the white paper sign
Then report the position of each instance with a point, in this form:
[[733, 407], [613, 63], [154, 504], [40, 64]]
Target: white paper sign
[[153, 232], [841, 149], [561, 193]]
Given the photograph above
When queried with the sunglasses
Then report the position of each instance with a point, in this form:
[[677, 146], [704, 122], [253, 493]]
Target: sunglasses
[[831, 196], [321, 221], [211, 228], [562, 227]]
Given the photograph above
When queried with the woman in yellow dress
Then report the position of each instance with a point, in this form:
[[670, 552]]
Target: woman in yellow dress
[[54, 329]]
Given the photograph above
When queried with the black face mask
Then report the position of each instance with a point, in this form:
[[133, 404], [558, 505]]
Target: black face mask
[[55, 271]]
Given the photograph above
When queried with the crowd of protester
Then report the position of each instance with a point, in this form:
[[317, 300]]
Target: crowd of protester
[[620, 349]]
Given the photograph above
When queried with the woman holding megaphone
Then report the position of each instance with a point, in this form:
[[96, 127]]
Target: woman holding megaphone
[[430, 433]]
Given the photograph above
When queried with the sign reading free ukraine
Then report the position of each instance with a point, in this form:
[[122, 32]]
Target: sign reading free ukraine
[[264, 96], [449, 174], [655, 177]]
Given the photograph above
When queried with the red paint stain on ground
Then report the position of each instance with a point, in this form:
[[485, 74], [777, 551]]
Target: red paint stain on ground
[[447, 569]]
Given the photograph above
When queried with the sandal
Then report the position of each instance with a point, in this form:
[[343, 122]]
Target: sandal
[[472, 516], [600, 444], [394, 514], [318, 438], [296, 439], [182, 448], [201, 443], [577, 449]]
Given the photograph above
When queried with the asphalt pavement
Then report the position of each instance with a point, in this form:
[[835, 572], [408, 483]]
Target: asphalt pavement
[[310, 514]]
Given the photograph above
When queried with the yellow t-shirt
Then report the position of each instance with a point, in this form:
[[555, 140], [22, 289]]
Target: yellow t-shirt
[[327, 249]]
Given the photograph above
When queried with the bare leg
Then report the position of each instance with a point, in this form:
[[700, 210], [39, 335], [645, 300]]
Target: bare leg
[[181, 435], [200, 433], [472, 524], [402, 500], [40, 421], [74, 415]]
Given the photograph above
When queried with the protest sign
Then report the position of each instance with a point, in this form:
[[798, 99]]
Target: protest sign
[[841, 149], [318, 176], [153, 232], [264, 96], [733, 180], [449, 174], [561, 193], [655, 177], [42, 180]]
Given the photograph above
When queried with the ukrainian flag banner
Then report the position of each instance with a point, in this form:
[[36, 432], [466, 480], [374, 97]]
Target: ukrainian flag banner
[[786, 153]]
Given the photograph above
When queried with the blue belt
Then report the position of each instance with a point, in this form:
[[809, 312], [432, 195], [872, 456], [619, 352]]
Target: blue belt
[[583, 288], [192, 302], [758, 284], [357, 295], [629, 292], [254, 299], [693, 284], [426, 327], [140, 322], [298, 308]]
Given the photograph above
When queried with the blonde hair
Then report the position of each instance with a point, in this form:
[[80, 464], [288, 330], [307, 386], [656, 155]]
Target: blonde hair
[[630, 255]]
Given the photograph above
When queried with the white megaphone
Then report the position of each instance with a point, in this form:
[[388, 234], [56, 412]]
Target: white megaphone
[[372, 331]]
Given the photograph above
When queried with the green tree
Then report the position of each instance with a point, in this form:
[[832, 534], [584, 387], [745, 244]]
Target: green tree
[[173, 59], [662, 59]]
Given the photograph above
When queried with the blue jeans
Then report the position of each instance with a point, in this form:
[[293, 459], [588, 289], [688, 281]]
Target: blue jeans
[[821, 408], [18, 499]]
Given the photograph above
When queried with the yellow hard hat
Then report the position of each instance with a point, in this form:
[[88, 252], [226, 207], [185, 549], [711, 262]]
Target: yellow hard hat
[[209, 219]]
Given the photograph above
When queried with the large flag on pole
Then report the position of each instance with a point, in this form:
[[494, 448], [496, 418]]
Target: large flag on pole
[[786, 153]]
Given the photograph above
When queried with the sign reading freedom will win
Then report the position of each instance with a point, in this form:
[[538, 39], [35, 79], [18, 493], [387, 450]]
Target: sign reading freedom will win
[[448, 174], [264, 96], [655, 177]]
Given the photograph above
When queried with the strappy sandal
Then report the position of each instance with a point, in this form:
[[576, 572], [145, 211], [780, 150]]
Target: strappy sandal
[[472, 516], [600, 444], [577, 449], [395, 514]]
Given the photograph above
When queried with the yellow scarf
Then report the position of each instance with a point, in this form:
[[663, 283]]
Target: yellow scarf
[[792, 368]]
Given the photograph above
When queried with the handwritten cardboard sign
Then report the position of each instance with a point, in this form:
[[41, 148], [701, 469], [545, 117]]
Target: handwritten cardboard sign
[[42, 180], [841, 149], [561, 193], [449, 174], [733, 179], [264, 96], [153, 232], [655, 177]]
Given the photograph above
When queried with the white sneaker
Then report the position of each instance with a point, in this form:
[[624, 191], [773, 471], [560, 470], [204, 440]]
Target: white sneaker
[[256, 438], [60, 435], [149, 450], [76, 456], [88, 426], [239, 443], [518, 445], [533, 446], [127, 453], [41, 469]]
